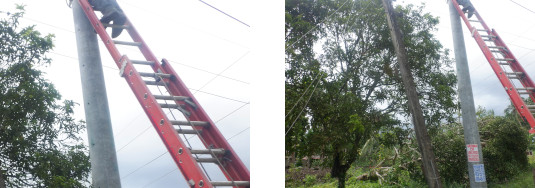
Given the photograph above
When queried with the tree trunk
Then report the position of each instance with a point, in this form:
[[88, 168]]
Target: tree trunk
[[339, 170], [2, 179]]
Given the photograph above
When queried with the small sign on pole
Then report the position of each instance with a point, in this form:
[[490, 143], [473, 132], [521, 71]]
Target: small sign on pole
[[473, 152], [479, 172]]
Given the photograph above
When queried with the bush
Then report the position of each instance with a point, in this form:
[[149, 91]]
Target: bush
[[504, 153]]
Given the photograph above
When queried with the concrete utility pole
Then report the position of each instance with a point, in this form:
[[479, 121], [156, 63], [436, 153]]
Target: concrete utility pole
[[104, 170], [468, 111], [430, 169]]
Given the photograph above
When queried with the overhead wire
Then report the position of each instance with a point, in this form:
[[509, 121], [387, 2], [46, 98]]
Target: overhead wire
[[523, 6], [225, 13], [232, 64], [304, 106], [151, 182], [154, 159]]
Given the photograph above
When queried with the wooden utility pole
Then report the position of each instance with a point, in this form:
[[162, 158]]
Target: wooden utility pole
[[424, 142]]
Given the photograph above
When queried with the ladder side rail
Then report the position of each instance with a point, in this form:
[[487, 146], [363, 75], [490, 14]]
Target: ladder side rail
[[515, 65], [481, 21], [144, 48], [506, 83], [97, 25], [519, 104], [176, 147], [237, 170]]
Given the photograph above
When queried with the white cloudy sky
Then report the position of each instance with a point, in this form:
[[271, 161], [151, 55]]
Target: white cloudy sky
[[210, 52]]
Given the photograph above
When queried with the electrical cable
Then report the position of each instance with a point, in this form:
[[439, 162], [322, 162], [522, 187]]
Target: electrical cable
[[136, 137], [151, 182], [124, 177], [297, 117], [225, 13], [232, 64], [238, 133], [522, 6]]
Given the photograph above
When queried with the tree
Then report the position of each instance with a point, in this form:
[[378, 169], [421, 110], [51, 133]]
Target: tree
[[357, 89], [39, 140], [504, 143]]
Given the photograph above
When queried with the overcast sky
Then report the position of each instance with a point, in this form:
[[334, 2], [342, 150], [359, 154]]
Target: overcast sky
[[210, 51]]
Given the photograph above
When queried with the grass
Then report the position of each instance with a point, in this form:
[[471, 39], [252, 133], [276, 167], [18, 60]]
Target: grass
[[524, 179]]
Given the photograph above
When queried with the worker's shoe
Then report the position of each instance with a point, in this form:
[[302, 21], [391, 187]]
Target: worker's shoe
[[115, 15], [120, 20]]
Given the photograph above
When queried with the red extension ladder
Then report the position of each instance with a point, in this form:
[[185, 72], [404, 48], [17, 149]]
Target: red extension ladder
[[161, 76], [513, 77]]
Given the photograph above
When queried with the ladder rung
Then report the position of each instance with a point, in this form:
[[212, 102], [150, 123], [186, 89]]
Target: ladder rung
[[473, 20], [514, 73], [530, 106], [141, 62], [504, 59], [482, 30], [497, 51], [127, 43], [188, 131], [149, 74], [531, 110], [524, 93], [208, 151], [230, 183], [148, 82], [206, 160], [116, 26], [497, 47], [527, 88], [488, 36], [168, 97], [194, 123], [504, 63], [170, 106]]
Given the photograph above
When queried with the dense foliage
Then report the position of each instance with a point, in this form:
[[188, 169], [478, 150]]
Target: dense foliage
[[39, 141], [504, 143]]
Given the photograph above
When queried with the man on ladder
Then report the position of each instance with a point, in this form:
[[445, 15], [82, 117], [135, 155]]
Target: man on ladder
[[467, 7], [111, 12]]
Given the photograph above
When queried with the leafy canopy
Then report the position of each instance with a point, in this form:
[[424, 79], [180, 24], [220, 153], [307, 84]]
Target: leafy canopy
[[39, 140]]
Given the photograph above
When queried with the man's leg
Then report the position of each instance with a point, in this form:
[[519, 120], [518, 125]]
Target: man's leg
[[111, 12]]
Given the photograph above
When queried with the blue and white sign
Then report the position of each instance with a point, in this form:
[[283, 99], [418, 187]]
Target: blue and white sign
[[479, 172]]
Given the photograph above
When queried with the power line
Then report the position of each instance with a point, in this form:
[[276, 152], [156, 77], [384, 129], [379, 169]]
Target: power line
[[231, 113], [522, 6], [170, 18], [224, 70], [136, 137], [199, 69], [297, 117], [218, 96], [225, 13], [317, 75], [151, 182], [238, 133], [124, 177]]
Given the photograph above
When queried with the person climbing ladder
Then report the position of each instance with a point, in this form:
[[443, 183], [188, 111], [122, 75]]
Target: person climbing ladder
[[111, 12]]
